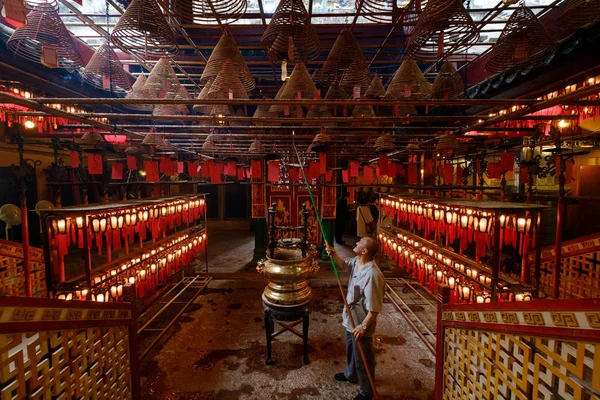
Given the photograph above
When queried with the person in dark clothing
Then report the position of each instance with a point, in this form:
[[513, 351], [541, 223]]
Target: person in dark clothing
[[374, 209], [341, 216]]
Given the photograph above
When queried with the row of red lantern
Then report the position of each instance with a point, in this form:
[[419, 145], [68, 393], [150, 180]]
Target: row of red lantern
[[464, 224], [146, 271], [432, 268], [122, 223]]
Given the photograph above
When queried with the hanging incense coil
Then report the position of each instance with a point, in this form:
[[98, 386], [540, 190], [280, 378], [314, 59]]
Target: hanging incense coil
[[356, 75], [257, 147], [447, 144], [165, 145], [138, 93], [379, 11], [31, 4], [375, 89], [408, 83], [134, 149], [448, 83], [173, 109], [300, 83], [581, 12], [203, 95], [104, 71], [320, 142], [239, 113], [45, 40], [92, 137], [152, 139], [384, 143], [262, 110], [162, 80], [143, 30], [291, 20], [343, 53], [209, 143], [207, 12], [227, 50], [335, 92], [521, 43], [444, 28], [227, 85], [276, 108]]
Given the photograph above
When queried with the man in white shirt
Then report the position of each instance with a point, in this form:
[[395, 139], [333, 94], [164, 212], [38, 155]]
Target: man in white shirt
[[365, 299]]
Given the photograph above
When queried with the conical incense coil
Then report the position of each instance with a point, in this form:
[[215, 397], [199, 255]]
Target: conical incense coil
[[207, 12], [444, 28], [143, 30], [152, 139], [320, 142], [257, 147], [209, 143], [138, 93], [521, 43], [343, 53], [173, 109], [45, 40], [447, 144], [448, 83], [300, 82], [227, 50], [104, 71], [162, 80], [375, 89], [384, 143], [356, 75], [226, 85], [203, 95], [581, 12], [408, 83], [291, 20]]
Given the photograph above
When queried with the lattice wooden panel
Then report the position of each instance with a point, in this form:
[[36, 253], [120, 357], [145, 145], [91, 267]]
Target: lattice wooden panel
[[492, 365], [12, 279], [580, 276], [68, 364]]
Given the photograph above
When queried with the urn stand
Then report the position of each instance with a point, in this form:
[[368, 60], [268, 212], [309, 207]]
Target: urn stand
[[287, 298]]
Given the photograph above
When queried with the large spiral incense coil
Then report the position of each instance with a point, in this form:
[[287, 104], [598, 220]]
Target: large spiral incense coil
[[448, 83], [209, 144], [104, 71], [207, 12], [45, 35], [143, 30], [447, 144], [379, 11], [444, 28], [521, 43], [291, 20], [227, 50], [152, 139], [408, 83], [320, 142]]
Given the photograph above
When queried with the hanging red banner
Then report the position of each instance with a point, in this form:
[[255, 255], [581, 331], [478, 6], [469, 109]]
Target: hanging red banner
[[192, 169], [240, 174], [345, 176], [413, 177], [322, 163], [255, 169], [117, 171], [448, 173], [329, 176], [294, 175], [95, 164], [180, 167], [367, 174], [507, 161], [231, 168], [354, 169], [273, 171], [74, 159], [383, 165], [131, 163], [459, 170], [428, 167]]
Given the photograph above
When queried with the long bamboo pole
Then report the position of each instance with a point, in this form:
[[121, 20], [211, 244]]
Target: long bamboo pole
[[337, 276]]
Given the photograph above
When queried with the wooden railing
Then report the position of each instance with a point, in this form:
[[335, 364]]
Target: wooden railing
[[526, 350], [53, 349], [12, 273], [580, 268]]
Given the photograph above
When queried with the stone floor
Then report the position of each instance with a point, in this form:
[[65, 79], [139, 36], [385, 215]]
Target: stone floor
[[216, 350]]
